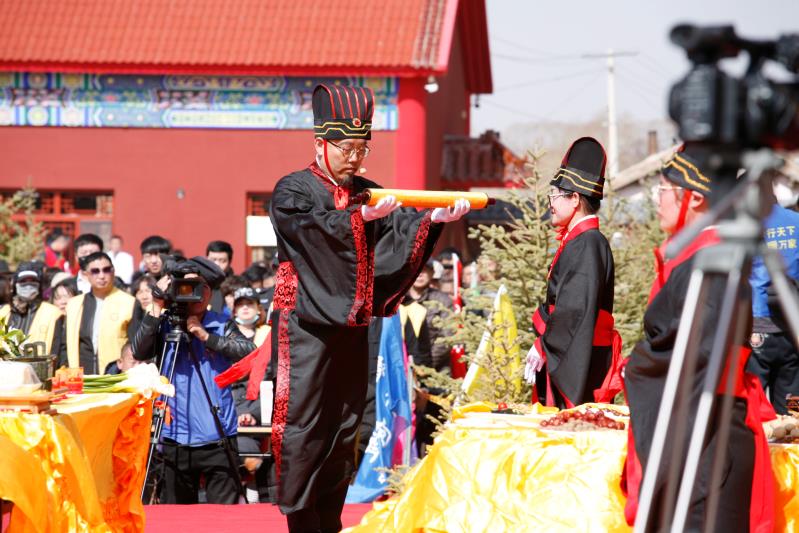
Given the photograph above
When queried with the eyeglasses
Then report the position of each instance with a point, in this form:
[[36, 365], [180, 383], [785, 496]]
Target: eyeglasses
[[553, 196], [359, 153], [104, 270], [657, 190]]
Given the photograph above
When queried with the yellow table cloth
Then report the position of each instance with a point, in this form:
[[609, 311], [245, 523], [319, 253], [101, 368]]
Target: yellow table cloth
[[493, 474], [80, 470]]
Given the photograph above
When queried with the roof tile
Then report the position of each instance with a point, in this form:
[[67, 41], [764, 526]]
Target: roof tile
[[389, 34]]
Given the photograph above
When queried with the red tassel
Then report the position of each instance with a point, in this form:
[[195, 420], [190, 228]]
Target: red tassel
[[258, 369], [253, 365], [238, 370]]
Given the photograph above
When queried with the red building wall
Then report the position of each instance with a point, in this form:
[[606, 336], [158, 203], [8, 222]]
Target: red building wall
[[216, 169], [447, 111], [145, 168]]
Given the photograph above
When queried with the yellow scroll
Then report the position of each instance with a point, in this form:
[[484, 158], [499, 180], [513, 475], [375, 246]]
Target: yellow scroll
[[425, 199]]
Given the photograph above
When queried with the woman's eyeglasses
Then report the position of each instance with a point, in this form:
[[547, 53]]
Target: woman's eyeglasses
[[557, 195]]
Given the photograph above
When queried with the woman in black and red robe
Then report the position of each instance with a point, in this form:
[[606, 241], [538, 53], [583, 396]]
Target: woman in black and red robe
[[578, 349]]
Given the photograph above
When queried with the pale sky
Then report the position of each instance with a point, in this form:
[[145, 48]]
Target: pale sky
[[536, 49]]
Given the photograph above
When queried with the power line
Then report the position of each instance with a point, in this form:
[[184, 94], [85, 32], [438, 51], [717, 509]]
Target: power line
[[657, 64], [537, 60], [649, 67], [646, 75], [641, 93], [571, 96], [547, 80], [638, 82], [521, 46], [509, 109]]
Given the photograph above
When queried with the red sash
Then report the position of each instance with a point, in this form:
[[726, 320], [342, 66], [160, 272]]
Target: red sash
[[663, 268], [581, 227], [604, 335]]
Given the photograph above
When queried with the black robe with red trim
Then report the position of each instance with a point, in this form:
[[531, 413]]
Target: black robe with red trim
[[336, 272], [581, 283], [644, 381]]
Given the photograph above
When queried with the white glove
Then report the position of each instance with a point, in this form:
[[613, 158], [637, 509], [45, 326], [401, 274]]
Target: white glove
[[534, 365], [451, 214], [383, 207]]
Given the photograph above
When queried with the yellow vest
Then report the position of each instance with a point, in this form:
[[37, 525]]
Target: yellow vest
[[42, 327], [114, 319]]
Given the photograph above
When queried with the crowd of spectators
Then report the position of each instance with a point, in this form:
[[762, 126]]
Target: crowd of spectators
[[105, 313]]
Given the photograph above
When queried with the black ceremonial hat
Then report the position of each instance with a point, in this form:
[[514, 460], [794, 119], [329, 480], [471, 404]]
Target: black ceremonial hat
[[583, 168], [683, 170], [341, 112]]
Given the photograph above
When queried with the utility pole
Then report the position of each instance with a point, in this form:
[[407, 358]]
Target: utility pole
[[613, 134]]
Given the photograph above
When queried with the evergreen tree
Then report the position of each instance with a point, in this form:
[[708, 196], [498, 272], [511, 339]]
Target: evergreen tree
[[19, 240]]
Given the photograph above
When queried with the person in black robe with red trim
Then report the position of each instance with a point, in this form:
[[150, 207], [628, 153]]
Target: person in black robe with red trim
[[746, 491], [340, 265], [578, 349]]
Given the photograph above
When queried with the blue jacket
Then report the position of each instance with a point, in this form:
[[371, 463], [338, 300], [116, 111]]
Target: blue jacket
[[781, 233], [191, 421]]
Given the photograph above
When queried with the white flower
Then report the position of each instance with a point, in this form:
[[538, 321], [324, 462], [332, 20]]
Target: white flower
[[146, 380]]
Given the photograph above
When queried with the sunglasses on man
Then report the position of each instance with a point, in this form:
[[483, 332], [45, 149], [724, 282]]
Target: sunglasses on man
[[104, 270]]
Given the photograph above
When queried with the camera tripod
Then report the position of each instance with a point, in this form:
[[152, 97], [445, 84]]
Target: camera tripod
[[176, 338], [730, 261]]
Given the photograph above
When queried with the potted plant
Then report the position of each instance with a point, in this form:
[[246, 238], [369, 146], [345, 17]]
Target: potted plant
[[13, 347]]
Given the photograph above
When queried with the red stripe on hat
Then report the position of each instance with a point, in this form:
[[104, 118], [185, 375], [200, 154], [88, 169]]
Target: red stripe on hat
[[349, 103], [365, 104], [340, 100], [358, 101], [332, 104]]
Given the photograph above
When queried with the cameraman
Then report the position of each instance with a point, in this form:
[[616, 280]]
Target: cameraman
[[191, 442]]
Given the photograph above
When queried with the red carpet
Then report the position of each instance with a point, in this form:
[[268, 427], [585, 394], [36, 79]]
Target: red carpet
[[262, 518]]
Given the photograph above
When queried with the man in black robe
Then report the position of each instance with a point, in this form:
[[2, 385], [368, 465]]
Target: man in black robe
[[577, 347], [745, 490], [340, 265]]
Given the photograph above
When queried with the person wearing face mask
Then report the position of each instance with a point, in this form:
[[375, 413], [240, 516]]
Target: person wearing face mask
[[41, 321], [250, 320], [249, 316], [577, 356]]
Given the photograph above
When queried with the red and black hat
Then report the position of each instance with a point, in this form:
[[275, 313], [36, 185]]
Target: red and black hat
[[343, 112], [683, 169], [583, 168]]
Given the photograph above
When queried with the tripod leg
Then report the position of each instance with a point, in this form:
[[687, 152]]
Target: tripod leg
[[683, 350], [730, 315], [157, 424]]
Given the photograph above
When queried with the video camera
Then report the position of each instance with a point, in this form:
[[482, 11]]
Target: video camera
[[712, 107], [182, 291]]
